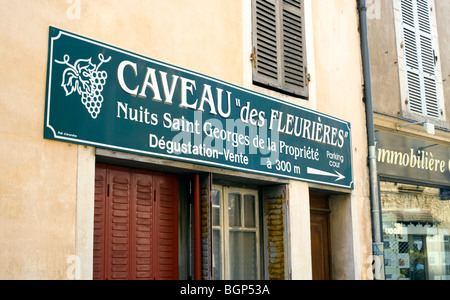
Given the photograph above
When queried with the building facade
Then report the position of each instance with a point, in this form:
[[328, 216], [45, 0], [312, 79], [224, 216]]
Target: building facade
[[409, 40], [73, 207]]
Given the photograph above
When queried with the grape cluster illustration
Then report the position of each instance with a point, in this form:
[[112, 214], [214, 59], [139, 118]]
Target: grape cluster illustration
[[87, 80]]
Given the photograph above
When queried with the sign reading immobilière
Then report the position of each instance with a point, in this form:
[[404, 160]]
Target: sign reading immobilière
[[106, 97], [409, 159]]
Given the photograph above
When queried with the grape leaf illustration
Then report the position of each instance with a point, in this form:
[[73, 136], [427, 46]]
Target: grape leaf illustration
[[70, 81], [77, 77], [87, 80]]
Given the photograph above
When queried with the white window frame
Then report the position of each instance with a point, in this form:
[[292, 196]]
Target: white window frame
[[402, 68], [225, 229]]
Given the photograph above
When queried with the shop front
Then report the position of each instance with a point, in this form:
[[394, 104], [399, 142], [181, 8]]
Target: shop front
[[193, 176], [414, 190]]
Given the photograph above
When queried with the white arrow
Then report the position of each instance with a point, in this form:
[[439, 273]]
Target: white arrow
[[323, 173]]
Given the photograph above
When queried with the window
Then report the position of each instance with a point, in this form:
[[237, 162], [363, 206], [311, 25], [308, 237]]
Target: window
[[236, 234], [420, 58], [416, 226], [279, 52]]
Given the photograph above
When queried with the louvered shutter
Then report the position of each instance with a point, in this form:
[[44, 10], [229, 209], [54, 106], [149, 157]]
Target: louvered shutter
[[100, 222], [167, 227], [266, 42], [279, 57], [142, 228], [294, 50], [135, 224], [419, 58], [118, 225]]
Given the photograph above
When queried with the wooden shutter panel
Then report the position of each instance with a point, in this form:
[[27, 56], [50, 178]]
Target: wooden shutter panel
[[118, 214], [294, 50], [99, 222], [135, 224], [266, 42], [167, 227], [428, 60], [142, 226], [279, 57], [419, 57], [411, 57]]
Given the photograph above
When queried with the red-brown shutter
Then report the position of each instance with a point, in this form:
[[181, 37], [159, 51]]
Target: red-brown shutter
[[167, 231], [136, 224], [142, 226], [118, 225], [99, 222]]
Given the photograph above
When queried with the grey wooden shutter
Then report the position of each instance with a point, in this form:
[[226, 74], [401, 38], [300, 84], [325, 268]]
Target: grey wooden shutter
[[294, 50], [419, 57], [266, 42], [279, 57]]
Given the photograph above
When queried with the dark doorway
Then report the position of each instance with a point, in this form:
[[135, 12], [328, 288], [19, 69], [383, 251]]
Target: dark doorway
[[320, 237]]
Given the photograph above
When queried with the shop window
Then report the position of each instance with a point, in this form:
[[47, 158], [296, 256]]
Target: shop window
[[416, 225], [235, 233], [279, 51]]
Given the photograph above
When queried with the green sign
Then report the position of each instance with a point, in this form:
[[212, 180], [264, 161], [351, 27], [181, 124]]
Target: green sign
[[106, 97]]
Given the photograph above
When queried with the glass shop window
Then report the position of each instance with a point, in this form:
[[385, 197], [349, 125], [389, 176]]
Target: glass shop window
[[416, 225]]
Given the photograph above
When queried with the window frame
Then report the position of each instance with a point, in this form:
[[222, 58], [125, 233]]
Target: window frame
[[224, 228]]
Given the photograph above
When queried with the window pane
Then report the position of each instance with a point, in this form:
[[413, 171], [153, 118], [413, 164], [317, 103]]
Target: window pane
[[243, 258], [217, 255], [249, 211], [215, 208], [234, 209]]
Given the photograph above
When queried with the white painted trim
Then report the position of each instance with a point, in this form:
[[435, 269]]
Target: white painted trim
[[225, 228], [84, 226]]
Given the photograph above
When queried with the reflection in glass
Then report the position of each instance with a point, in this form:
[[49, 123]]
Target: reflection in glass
[[249, 211], [243, 255], [416, 225], [217, 255], [234, 209], [216, 208]]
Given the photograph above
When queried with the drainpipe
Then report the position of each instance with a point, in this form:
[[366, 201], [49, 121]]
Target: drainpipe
[[377, 236]]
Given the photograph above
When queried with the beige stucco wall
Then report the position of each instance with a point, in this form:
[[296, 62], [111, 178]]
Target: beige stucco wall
[[46, 187], [339, 89], [384, 60], [42, 180]]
